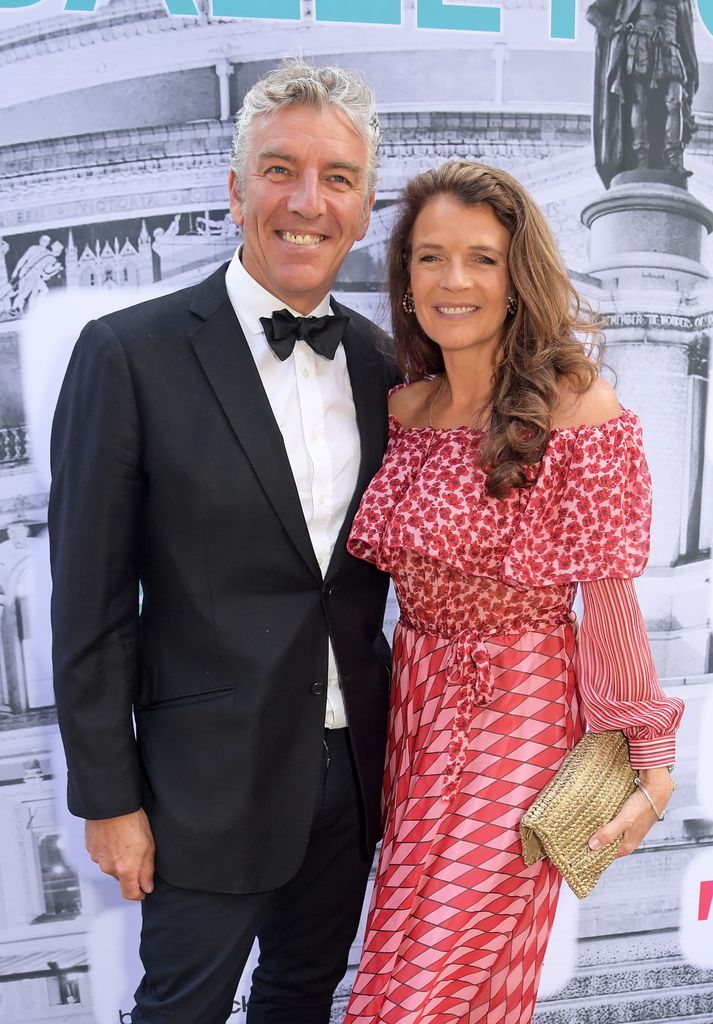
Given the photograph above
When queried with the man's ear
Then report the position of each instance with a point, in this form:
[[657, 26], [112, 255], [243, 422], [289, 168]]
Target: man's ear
[[236, 205], [364, 222]]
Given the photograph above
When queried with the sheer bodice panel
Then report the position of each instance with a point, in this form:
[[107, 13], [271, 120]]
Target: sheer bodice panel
[[435, 597]]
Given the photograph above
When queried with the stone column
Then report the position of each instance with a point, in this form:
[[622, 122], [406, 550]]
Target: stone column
[[224, 70], [646, 239], [4, 249]]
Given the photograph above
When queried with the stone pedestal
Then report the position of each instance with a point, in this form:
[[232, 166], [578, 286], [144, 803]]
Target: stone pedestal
[[647, 233], [645, 250]]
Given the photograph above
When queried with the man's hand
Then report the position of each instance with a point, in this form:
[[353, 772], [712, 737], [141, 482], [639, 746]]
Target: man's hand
[[124, 847]]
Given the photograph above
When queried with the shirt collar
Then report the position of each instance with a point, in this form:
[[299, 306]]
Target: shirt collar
[[251, 301]]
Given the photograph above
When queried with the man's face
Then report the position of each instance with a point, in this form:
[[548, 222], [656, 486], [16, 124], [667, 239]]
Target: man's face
[[303, 203]]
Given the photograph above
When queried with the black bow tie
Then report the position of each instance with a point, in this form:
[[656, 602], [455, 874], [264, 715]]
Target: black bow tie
[[322, 333]]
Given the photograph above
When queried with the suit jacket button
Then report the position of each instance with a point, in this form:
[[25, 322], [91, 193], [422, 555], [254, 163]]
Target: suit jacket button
[[327, 590], [317, 688]]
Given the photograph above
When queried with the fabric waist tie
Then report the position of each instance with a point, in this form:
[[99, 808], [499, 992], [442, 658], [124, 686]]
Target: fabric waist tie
[[467, 666]]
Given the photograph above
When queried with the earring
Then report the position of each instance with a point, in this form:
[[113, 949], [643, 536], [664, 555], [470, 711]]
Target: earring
[[512, 305], [407, 302]]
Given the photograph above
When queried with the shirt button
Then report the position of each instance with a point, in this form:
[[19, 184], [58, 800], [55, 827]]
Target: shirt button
[[322, 499], [313, 436], [305, 373], [317, 688]]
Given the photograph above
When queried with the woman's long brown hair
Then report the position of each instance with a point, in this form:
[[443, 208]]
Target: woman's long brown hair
[[539, 347]]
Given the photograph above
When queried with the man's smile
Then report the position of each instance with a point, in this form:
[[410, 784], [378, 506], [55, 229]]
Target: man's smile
[[295, 239]]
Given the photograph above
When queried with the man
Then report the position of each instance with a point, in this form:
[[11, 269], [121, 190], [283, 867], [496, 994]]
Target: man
[[203, 449], [645, 79]]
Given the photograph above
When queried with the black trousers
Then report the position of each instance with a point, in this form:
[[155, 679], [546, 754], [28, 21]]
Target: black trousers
[[194, 945]]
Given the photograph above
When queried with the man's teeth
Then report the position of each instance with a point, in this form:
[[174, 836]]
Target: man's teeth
[[301, 239], [456, 309]]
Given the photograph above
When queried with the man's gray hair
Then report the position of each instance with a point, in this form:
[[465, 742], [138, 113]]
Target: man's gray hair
[[296, 82]]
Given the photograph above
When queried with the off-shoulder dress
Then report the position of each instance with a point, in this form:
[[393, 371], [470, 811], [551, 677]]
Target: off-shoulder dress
[[489, 692]]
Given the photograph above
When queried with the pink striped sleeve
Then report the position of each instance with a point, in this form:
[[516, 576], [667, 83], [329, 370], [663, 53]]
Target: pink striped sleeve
[[616, 676]]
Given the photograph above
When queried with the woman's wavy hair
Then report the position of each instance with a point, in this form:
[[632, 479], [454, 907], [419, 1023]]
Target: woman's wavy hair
[[540, 344]]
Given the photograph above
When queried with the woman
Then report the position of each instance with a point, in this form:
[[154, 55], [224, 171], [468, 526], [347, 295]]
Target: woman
[[512, 474]]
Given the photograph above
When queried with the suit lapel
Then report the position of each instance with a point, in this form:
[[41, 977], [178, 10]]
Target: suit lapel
[[367, 381], [227, 362]]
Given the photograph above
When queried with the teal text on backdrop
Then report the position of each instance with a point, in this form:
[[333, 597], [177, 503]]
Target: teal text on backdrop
[[430, 13], [438, 14]]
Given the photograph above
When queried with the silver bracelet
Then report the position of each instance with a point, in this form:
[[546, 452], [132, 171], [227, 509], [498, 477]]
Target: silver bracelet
[[639, 785]]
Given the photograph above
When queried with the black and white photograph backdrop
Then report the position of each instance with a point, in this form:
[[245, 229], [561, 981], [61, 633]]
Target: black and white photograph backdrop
[[115, 127]]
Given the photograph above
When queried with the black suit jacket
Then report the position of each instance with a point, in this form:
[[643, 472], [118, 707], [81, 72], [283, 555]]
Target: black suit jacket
[[169, 471]]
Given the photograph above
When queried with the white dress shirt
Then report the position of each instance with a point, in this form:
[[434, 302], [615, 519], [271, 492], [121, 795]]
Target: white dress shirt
[[311, 399]]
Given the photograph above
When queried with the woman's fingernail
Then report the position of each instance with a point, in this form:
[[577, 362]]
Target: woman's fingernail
[[594, 844]]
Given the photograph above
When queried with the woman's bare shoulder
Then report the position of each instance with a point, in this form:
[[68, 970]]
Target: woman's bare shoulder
[[409, 404], [590, 409]]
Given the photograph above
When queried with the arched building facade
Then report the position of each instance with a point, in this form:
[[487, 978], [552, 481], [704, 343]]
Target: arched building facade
[[115, 160]]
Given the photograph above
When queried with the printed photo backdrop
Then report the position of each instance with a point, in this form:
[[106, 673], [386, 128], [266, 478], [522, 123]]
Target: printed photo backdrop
[[115, 125]]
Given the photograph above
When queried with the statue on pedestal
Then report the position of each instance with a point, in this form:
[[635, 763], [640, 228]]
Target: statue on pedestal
[[646, 75]]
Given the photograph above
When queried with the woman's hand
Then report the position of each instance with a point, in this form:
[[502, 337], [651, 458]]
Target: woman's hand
[[636, 816]]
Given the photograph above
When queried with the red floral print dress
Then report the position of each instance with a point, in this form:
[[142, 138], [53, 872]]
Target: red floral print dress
[[488, 695]]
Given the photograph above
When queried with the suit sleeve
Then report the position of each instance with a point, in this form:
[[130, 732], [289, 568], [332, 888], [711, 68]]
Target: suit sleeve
[[94, 511]]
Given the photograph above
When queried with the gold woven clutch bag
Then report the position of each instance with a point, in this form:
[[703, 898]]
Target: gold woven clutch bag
[[586, 793]]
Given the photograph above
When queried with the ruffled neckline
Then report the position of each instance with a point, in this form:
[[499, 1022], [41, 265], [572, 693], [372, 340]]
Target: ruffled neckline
[[586, 515], [624, 418]]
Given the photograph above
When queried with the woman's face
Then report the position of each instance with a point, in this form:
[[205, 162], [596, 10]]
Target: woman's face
[[459, 274]]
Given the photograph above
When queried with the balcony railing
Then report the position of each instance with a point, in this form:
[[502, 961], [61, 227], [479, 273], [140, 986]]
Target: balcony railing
[[14, 449]]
